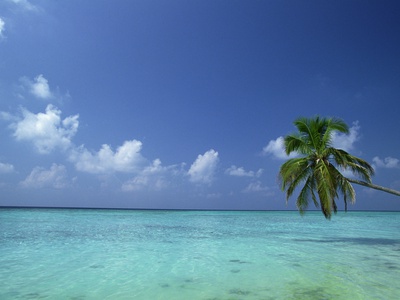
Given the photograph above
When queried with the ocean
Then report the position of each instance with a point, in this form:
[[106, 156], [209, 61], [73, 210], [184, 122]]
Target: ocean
[[151, 254]]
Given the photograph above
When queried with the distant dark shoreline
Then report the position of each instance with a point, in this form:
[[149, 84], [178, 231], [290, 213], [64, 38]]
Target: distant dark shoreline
[[174, 209]]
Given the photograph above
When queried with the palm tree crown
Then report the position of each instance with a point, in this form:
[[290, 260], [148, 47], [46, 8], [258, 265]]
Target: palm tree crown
[[318, 165]]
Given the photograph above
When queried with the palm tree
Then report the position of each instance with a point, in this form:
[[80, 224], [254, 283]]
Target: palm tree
[[319, 166]]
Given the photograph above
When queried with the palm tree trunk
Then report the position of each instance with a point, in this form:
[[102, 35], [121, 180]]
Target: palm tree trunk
[[374, 186]]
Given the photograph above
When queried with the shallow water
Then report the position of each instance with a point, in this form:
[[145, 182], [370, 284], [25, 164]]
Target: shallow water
[[123, 254]]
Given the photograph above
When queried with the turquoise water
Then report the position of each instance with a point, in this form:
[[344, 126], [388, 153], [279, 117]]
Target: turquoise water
[[117, 254]]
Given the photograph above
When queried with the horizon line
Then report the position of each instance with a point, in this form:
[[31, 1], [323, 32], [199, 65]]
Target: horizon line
[[177, 209]]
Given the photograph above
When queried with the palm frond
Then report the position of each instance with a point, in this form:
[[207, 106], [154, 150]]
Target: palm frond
[[295, 143], [326, 188], [344, 186], [333, 124], [305, 129], [357, 166], [292, 173]]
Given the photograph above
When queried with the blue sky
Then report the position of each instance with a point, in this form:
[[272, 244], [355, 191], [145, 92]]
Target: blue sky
[[183, 104]]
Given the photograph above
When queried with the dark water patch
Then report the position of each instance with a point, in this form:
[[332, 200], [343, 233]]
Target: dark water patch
[[33, 295], [97, 267], [189, 280], [165, 285], [63, 233], [372, 241], [366, 258], [316, 293], [391, 266], [235, 270], [162, 228], [239, 292], [297, 265], [238, 261], [357, 240], [167, 242]]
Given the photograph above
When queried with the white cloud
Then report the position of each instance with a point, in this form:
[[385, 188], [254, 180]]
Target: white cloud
[[55, 177], [135, 184], [255, 187], [346, 141], [126, 158], [39, 87], [154, 176], [276, 148], [347, 173], [2, 28], [203, 168], [6, 116], [46, 130], [25, 5], [388, 162], [6, 168], [240, 172]]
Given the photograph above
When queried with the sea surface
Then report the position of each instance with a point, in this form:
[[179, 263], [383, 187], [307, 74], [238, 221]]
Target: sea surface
[[131, 254]]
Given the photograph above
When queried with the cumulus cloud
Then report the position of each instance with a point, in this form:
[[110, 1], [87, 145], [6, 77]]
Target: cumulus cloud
[[46, 131], [203, 168], [6, 168], [154, 176], [55, 177], [240, 172], [388, 162], [346, 141], [39, 87], [276, 148], [125, 158], [341, 141], [2, 28]]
